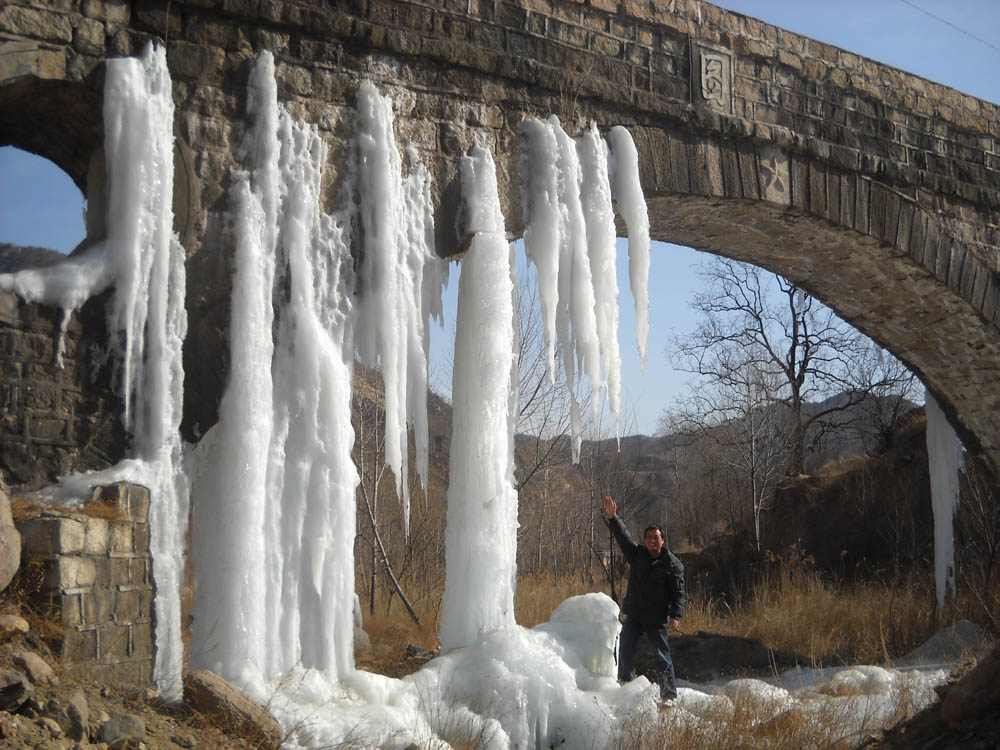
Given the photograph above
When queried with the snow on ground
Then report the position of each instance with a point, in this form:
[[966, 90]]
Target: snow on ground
[[554, 684]]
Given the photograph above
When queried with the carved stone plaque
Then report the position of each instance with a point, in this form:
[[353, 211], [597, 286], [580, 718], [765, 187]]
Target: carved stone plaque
[[775, 181], [712, 77]]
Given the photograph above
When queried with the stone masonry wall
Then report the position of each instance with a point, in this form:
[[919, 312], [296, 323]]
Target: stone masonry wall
[[96, 575], [55, 420]]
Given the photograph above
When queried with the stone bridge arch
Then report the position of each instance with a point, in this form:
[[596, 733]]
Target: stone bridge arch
[[875, 190]]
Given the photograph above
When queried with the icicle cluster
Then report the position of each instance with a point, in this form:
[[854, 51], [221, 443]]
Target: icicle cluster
[[944, 456], [400, 283], [274, 500], [481, 541], [568, 188]]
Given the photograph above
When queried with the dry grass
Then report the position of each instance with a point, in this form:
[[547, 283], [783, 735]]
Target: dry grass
[[23, 597], [794, 609], [537, 595], [21, 508]]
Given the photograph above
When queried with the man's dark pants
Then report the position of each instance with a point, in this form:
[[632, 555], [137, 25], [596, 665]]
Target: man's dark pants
[[657, 634]]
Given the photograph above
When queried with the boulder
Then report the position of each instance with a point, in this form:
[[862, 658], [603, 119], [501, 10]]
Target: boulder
[[975, 694], [73, 715], [124, 732], [37, 669], [13, 624], [15, 689], [232, 709], [52, 726], [10, 542]]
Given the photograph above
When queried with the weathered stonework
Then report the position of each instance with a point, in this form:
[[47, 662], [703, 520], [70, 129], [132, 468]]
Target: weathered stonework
[[873, 189], [97, 580], [55, 420]]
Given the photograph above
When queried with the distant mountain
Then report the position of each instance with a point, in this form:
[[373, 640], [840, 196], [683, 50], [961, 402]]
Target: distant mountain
[[18, 257]]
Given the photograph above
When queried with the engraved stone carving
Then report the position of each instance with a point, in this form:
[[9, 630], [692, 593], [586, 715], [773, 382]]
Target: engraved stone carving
[[714, 82], [775, 182], [712, 76]]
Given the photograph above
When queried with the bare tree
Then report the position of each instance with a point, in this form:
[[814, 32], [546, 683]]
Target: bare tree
[[889, 390], [738, 411], [369, 458], [812, 354]]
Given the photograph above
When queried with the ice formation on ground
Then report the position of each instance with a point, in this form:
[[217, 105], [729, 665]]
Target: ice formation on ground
[[944, 456]]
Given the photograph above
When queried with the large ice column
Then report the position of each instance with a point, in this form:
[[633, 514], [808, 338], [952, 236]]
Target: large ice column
[[274, 495], [481, 535], [400, 277], [944, 454], [230, 484], [144, 262]]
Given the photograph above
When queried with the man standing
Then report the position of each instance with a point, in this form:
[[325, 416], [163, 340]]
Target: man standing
[[654, 601]]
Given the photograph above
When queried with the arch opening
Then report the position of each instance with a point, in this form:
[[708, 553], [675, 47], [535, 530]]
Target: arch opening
[[42, 211], [871, 285]]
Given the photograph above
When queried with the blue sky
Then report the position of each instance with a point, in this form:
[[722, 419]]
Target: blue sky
[[39, 205]]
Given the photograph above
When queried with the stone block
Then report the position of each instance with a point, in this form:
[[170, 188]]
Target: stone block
[[145, 603], [97, 606], [48, 429], [97, 536], [142, 641], [138, 571], [112, 11], [52, 535], [114, 642], [88, 36], [679, 164], [862, 206], [121, 537], [73, 609], [195, 61], [138, 503], [102, 569], [79, 646], [70, 572], [140, 537], [832, 196], [121, 570], [127, 603], [36, 23]]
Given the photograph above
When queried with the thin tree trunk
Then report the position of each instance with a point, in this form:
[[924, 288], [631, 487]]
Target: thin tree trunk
[[388, 567]]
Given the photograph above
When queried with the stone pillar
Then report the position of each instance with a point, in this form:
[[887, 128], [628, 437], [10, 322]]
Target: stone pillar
[[96, 578]]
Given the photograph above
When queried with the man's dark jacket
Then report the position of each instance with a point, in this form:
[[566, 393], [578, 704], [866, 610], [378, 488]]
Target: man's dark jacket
[[655, 585]]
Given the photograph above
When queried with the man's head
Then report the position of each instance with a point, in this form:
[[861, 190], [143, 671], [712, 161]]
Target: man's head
[[653, 539]]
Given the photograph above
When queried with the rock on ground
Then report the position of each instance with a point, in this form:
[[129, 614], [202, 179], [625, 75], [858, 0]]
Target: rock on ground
[[10, 542], [976, 693], [208, 693]]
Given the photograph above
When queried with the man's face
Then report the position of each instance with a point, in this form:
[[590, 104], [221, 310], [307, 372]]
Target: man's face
[[654, 542]]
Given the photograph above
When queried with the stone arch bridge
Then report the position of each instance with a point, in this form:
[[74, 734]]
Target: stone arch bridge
[[875, 190]]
